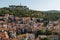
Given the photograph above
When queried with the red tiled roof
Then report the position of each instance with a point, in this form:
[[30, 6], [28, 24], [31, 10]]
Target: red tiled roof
[[3, 28]]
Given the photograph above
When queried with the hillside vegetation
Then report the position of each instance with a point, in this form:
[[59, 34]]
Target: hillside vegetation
[[24, 11]]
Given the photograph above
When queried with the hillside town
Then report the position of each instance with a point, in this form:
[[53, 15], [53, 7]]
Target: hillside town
[[26, 28], [29, 20]]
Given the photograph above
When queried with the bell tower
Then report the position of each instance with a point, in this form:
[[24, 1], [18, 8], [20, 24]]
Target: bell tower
[[20, 4]]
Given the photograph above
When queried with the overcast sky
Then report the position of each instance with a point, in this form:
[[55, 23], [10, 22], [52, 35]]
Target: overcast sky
[[41, 5]]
